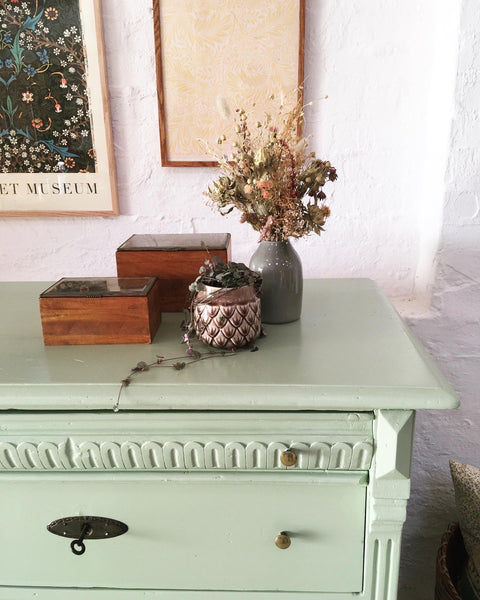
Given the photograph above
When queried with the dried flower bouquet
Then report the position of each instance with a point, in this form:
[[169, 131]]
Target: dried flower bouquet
[[270, 175]]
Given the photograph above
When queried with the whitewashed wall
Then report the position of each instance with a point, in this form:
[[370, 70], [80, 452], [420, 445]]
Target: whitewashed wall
[[451, 329], [372, 59], [401, 125]]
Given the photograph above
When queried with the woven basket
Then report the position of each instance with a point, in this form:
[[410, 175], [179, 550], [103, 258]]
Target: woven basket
[[451, 557]]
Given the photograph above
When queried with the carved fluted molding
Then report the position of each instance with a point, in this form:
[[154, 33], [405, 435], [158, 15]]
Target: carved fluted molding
[[170, 455]]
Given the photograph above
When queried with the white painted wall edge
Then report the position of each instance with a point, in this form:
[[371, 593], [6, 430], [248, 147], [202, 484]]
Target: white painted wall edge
[[439, 115]]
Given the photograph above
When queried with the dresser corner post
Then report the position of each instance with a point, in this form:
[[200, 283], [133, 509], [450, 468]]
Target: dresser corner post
[[388, 493]]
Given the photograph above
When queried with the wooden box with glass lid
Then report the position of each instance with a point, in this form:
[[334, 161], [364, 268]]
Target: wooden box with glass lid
[[101, 310], [174, 258], [283, 472]]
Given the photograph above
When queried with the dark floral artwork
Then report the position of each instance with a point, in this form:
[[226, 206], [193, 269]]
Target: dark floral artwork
[[45, 121]]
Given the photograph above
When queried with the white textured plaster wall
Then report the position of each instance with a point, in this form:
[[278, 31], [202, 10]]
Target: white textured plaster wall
[[372, 59], [451, 330], [388, 69]]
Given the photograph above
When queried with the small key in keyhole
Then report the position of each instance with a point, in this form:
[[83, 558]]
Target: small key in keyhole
[[77, 546]]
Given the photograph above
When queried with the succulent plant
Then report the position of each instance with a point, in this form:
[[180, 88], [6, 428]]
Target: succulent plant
[[220, 274], [225, 286]]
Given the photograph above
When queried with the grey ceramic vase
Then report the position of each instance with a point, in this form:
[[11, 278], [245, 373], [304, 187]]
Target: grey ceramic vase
[[282, 288]]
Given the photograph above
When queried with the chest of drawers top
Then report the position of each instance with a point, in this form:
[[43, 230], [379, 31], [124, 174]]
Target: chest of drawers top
[[350, 351]]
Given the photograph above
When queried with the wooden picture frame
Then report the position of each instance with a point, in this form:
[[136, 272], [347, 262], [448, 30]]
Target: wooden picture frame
[[230, 52], [56, 149]]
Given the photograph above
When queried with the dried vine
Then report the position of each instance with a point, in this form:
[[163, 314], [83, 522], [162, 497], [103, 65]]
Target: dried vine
[[178, 363]]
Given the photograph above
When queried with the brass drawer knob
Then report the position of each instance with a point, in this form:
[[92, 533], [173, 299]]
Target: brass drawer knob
[[288, 458], [283, 540]]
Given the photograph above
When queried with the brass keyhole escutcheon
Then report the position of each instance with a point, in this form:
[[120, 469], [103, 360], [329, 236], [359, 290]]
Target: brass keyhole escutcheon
[[288, 458], [283, 540]]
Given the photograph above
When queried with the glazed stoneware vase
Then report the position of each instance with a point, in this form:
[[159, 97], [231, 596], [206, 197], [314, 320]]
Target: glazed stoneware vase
[[227, 317], [281, 269]]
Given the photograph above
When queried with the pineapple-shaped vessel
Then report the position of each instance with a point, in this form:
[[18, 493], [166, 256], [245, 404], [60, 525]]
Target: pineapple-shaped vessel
[[227, 317], [226, 309]]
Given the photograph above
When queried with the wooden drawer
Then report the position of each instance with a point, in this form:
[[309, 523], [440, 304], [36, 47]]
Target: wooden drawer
[[196, 531]]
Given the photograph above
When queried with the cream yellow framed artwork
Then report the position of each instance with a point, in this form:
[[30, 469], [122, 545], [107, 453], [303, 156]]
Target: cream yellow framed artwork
[[56, 151], [214, 56]]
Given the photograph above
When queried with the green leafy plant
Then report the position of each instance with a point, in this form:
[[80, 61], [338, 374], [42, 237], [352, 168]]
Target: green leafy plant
[[217, 279], [219, 274], [224, 276]]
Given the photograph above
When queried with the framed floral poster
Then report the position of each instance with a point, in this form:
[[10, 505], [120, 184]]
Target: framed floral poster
[[213, 54], [56, 152]]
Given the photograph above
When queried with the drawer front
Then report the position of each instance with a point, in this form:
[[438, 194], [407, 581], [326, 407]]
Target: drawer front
[[188, 441], [201, 531]]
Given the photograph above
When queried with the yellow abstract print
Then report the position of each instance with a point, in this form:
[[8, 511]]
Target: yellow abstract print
[[222, 52]]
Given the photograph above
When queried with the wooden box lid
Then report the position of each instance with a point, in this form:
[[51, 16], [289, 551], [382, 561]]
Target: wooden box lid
[[99, 287], [173, 242]]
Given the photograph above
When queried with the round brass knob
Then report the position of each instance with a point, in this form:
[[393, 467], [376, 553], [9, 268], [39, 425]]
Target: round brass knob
[[283, 540], [288, 458]]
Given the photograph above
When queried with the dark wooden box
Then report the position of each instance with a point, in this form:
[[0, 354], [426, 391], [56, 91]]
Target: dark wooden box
[[106, 310], [174, 258]]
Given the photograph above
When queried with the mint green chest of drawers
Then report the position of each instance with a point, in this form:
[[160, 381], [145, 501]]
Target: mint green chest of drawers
[[282, 473]]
